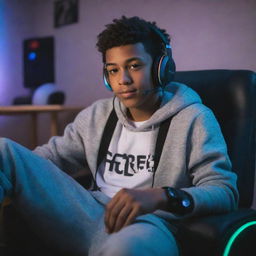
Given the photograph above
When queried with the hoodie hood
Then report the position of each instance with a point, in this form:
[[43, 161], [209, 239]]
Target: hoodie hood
[[176, 97]]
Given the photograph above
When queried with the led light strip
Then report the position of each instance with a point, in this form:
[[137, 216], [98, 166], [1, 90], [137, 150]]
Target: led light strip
[[235, 235]]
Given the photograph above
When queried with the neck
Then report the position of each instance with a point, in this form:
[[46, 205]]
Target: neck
[[145, 112]]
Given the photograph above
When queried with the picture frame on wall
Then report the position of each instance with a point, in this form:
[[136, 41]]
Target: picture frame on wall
[[65, 12]]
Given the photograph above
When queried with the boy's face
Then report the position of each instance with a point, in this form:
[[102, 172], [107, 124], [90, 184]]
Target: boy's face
[[129, 74]]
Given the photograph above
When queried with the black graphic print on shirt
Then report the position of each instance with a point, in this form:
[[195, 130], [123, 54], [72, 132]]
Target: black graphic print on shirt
[[128, 164]]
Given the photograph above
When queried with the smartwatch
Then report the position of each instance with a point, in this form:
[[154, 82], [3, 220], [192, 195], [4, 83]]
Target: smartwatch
[[179, 201]]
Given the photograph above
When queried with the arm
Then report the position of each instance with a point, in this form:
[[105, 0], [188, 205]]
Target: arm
[[213, 187], [66, 151]]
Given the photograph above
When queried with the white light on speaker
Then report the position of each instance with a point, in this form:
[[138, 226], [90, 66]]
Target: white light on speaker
[[42, 93]]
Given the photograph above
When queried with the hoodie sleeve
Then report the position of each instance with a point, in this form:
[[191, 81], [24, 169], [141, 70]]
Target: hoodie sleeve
[[66, 151], [214, 187]]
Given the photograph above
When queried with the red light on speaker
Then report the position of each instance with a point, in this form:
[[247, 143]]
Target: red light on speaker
[[34, 44]]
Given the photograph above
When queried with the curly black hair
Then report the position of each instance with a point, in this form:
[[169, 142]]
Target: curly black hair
[[133, 30]]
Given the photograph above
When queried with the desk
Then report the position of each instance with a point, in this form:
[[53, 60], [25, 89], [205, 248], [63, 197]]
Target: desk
[[34, 110]]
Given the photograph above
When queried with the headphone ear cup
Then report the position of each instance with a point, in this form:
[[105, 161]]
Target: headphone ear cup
[[168, 68], [155, 66], [105, 80], [163, 70]]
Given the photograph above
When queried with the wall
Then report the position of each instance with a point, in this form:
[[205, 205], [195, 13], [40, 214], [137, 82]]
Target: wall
[[16, 23], [206, 34]]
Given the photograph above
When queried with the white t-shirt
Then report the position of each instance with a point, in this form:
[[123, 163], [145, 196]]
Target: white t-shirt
[[129, 162]]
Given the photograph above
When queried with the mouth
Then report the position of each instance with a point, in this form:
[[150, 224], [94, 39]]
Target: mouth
[[128, 93]]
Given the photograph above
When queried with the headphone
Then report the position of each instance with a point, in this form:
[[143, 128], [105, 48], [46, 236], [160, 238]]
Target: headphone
[[163, 67]]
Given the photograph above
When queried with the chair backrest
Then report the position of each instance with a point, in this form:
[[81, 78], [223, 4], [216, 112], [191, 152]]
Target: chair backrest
[[231, 94]]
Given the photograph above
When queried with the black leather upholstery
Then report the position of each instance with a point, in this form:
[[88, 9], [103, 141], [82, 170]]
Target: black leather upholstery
[[231, 94]]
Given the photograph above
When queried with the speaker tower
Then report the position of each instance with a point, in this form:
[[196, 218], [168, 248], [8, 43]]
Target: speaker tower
[[38, 59]]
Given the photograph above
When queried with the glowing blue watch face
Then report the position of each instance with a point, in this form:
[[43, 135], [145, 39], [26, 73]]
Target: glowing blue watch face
[[186, 202], [171, 193]]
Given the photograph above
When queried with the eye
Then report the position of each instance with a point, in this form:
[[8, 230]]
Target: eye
[[112, 71], [135, 66]]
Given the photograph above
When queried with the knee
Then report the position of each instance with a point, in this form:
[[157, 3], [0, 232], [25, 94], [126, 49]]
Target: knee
[[4, 142], [8, 146]]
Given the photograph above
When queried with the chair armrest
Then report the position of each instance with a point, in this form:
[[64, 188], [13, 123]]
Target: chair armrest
[[209, 235]]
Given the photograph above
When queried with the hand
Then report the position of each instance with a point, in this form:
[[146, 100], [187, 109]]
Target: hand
[[127, 204]]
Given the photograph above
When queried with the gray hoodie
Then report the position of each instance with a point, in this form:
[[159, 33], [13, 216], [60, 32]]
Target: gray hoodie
[[194, 156]]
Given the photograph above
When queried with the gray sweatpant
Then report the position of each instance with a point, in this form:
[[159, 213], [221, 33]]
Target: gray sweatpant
[[68, 217]]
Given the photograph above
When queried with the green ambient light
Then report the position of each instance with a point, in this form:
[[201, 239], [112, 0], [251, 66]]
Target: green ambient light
[[235, 235]]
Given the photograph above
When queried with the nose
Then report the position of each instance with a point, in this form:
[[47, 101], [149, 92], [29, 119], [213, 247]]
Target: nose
[[124, 78]]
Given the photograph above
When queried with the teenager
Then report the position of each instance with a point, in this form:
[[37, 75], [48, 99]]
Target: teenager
[[156, 154]]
